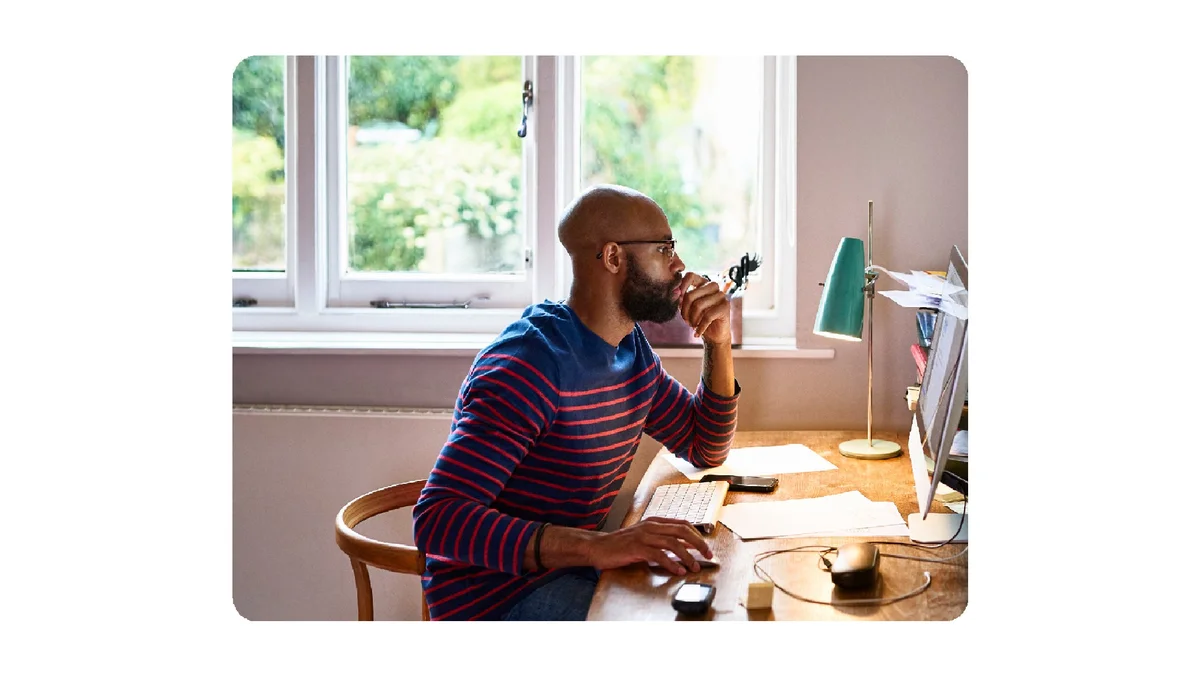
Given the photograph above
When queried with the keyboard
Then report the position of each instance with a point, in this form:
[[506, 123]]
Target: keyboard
[[697, 503]]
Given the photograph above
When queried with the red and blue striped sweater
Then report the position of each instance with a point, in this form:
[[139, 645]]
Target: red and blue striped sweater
[[544, 430]]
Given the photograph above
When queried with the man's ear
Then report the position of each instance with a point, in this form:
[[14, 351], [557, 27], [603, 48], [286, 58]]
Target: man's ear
[[611, 256]]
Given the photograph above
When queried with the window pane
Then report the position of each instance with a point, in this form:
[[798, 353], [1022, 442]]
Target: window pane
[[685, 131], [258, 164], [433, 164]]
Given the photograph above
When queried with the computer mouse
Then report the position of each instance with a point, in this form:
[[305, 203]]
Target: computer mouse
[[856, 566], [704, 563]]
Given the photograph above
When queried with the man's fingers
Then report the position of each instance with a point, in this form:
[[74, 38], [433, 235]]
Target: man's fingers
[[707, 308], [713, 316], [679, 549], [689, 281], [680, 530], [702, 305], [663, 519], [699, 297], [660, 557]]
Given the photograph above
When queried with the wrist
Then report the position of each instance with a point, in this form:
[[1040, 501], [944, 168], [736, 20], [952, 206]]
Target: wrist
[[561, 547], [589, 544]]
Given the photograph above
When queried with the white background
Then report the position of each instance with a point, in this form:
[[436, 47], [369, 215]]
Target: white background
[[116, 435]]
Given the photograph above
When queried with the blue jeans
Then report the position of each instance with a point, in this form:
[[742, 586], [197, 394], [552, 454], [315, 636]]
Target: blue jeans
[[563, 599]]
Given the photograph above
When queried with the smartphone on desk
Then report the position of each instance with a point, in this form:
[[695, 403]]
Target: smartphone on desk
[[752, 484]]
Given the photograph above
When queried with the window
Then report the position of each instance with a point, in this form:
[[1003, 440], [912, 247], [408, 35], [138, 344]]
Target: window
[[427, 196], [259, 173], [393, 193]]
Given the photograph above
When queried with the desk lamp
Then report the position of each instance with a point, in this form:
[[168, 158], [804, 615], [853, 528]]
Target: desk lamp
[[840, 315]]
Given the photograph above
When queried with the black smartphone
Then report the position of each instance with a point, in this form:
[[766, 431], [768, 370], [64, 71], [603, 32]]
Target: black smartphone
[[753, 484], [693, 597]]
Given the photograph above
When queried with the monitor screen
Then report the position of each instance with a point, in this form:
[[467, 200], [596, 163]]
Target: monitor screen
[[944, 386]]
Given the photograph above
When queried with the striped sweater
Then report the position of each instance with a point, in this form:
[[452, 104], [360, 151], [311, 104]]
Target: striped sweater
[[544, 430]]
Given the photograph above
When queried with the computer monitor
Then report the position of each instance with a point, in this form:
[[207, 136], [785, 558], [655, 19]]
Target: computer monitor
[[939, 412]]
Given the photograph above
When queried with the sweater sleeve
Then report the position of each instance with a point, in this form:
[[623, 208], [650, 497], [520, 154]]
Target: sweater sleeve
[[696, 427], [506, 403]]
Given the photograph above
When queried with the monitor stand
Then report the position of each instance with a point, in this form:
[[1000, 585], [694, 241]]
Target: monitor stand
[[937, 528]]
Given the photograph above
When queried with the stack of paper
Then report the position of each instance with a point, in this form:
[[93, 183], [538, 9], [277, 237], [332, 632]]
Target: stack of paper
[[924, 291], [848, 513], [758, 461], [958, 447]]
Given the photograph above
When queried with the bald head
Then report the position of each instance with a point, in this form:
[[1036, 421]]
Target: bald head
[[609, 213]]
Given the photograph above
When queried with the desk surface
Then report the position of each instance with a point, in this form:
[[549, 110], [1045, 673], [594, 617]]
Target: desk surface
[[637, 593]]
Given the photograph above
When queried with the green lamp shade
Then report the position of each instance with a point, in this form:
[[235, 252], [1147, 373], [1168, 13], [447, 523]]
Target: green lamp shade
[[840, 314]]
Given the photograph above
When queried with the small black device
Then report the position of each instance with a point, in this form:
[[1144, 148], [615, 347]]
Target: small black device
[[856, 565], [752, 484], [693, 598]]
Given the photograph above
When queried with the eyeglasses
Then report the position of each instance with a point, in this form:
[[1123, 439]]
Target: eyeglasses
[[666, 246]]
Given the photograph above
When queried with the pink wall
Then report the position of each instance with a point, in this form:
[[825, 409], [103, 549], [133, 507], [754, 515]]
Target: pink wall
[[888, 129]]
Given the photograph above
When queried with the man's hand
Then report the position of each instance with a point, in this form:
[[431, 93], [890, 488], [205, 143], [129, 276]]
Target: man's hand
[[649, 540], [706, 309]]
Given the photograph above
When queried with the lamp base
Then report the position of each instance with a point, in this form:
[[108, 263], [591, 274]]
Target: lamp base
[[869, 449]]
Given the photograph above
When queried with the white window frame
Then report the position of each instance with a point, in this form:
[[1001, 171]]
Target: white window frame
[[277, 289], [777, 189], [347, 289], [779, 204], [312, 296]]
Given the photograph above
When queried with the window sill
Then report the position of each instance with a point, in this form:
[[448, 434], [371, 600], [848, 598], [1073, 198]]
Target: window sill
[[461, 345]]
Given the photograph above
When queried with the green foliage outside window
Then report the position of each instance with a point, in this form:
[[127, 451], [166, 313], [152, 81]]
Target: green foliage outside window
[[399, 194], [465, 170]]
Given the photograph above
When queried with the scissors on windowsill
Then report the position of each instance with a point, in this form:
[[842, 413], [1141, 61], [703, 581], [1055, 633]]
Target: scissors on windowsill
[[736, 278]]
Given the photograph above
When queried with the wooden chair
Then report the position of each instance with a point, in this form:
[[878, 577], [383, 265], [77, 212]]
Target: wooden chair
[[364, 551]]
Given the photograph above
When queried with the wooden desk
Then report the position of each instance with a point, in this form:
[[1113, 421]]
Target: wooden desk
[[637, 593]]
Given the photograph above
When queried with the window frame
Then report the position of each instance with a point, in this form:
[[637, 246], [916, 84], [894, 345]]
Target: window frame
[[311, 296], [346, 289], [277, 289]]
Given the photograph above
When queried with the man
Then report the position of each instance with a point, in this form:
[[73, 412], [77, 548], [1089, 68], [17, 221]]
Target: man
[[550, 415]]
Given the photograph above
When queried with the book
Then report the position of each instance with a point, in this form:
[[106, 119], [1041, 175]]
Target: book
[[925, 322], [921, 356]]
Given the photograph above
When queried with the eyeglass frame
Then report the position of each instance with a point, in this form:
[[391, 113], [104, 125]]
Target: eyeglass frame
[[671, 242]]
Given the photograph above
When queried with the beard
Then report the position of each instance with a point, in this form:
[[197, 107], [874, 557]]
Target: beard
[[647, 300]]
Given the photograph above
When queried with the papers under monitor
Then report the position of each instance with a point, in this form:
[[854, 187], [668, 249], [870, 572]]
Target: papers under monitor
[[758, 461], [958, 448]]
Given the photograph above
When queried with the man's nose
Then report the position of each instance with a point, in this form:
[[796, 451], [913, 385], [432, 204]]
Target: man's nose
[[677, 265]]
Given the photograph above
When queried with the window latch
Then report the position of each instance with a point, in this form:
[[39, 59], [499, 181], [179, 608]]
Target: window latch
[[245, 302], [526, 101], [392, 305]]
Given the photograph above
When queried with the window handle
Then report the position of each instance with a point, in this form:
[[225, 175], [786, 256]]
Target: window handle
[[526, 101], [391, 305]]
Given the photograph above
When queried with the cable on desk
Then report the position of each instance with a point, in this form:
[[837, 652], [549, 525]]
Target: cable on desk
[[821, 551], [917, 558]]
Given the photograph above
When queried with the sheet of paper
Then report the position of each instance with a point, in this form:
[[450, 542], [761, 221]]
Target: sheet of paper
[[924, 291], [918, 280], [867, 531], [792, 518], [758, 461], [913, 298], [959, 445], [847, 500]]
